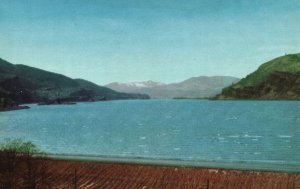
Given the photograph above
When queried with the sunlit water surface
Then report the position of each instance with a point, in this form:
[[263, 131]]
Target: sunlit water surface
[[265, 132]]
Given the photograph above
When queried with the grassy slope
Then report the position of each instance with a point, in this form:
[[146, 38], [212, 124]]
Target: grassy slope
[[276, 79], [289, 63]]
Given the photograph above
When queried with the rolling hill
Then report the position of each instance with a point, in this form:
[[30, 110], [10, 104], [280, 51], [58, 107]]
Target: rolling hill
[[24, 84], [275, 79]]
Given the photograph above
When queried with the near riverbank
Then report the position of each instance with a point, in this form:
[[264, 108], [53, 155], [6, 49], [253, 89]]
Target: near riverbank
[[79, 174]]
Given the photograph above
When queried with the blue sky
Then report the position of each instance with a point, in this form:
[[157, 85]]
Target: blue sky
[[137, 40]]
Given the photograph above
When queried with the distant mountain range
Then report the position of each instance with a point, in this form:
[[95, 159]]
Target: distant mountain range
[[276, 79], [24, 84], [195, 87], [131, 86]]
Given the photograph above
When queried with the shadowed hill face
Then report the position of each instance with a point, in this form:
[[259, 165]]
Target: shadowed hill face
[[36, 77], [24, 84], [276, 79], [43, 78], [7, 70], [92, 86]]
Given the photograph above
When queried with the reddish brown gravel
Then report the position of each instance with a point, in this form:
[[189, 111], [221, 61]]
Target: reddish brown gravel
[[72, 174]]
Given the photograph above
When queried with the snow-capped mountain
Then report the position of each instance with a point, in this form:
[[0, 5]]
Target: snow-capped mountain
[[133, 85], [195, 87]]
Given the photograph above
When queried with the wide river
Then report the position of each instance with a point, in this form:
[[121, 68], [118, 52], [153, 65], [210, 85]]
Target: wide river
[[230, 134]]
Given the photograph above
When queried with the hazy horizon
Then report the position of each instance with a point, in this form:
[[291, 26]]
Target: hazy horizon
[[128, 41]]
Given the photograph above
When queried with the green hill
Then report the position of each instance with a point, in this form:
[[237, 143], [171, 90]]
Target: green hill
[[24, 84], [276, 79]]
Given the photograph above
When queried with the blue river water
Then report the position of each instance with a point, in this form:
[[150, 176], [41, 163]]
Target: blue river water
[[256, 132]]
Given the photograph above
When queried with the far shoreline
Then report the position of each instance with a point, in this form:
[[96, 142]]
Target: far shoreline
[[25, 105]]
